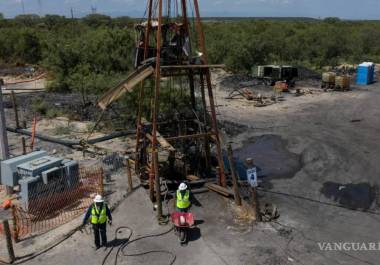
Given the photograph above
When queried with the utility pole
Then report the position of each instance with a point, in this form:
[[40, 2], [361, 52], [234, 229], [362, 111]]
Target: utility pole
[[4, 148]]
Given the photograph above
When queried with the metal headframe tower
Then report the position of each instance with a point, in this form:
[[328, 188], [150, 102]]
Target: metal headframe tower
[[171, 46], [156, 29]]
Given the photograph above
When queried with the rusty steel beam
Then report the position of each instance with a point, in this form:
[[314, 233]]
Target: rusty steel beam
[[155, 165], [193, 66], [141, 92], [147, 30], [202, 44], [205, 121], [184, 17]]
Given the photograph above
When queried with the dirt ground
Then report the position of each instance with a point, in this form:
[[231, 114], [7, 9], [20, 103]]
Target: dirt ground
[[317, 156]]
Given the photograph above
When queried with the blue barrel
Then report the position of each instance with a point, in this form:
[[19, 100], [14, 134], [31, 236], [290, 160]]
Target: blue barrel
[[365, 74]]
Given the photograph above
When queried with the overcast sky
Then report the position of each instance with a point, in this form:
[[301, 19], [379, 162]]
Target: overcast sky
[[351, 9]]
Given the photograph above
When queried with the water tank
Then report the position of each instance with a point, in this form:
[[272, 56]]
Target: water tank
[[365, 73]]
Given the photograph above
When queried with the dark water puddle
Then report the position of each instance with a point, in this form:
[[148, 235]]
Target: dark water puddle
[[352, 196], [270, 155]]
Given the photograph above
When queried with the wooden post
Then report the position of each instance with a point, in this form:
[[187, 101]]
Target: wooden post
[[129, 174], [217, 171], [34, 126], [255, 199], [15, 227], [234, 177], [256, 205], [23, 145], [8, 236], [151, 184], [157, 186], [101, 182], [14, 103]]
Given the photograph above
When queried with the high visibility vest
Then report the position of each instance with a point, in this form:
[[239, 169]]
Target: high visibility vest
[[98, 217], [183, 202]]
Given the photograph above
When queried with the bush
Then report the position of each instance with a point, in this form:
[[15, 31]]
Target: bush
[[40, 106]]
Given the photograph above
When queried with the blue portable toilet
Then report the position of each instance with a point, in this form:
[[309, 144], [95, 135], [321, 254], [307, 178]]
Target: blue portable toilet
[[365, 73]]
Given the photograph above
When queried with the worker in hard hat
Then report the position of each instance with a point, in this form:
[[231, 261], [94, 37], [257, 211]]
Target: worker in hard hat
[[183, 198], [98, 214]]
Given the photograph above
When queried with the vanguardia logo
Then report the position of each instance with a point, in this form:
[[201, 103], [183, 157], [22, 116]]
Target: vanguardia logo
[[349, 246]]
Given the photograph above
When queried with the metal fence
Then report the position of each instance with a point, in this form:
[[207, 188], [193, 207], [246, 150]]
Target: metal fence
[[58, 204]]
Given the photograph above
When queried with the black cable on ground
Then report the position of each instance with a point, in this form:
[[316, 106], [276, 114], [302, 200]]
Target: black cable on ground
[[126, 242]]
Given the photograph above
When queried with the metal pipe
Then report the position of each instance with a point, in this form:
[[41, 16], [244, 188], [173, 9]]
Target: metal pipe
[[70, 143]]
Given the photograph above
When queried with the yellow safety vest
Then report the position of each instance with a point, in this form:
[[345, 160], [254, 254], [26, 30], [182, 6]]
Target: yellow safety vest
[[96, 217], [183, 202]]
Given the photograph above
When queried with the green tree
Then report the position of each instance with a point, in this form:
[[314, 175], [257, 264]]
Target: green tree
[[97, 20]]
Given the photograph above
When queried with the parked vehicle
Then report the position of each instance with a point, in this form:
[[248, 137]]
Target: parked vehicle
[[270, 74]]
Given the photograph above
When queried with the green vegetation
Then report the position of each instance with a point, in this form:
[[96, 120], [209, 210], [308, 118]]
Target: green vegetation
[[312, 44], [92, 54], [39, 106], [63, 130]]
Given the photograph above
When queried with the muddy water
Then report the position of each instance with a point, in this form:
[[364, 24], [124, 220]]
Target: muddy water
[[271, 156], [353, 196]]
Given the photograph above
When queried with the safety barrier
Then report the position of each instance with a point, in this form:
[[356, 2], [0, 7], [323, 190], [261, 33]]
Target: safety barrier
[[57, 205]]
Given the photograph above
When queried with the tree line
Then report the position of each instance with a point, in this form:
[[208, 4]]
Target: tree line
[[93, 53]]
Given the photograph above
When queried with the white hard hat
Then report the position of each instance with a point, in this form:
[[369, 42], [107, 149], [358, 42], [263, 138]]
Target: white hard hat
[[182, 186], [98, 198]]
